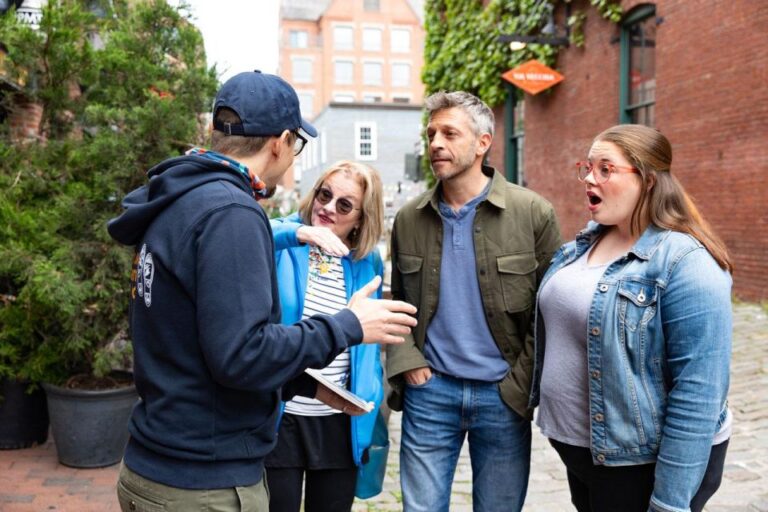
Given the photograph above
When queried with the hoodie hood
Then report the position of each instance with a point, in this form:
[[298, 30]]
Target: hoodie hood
[[168, 181]]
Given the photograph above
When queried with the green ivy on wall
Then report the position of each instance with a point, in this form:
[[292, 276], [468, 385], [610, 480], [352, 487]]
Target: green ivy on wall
[[462, 51]]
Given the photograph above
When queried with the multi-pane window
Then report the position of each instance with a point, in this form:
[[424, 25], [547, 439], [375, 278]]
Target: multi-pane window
[[371, 5], [365, 141], [638, 66], [372, 98], [298, 38], [301, 70], [372, 39], [400, 40], [343, 38], [343, 71], [401, 74], [372, 73]]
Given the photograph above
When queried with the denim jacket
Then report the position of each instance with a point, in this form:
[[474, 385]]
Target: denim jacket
[[658, 354]]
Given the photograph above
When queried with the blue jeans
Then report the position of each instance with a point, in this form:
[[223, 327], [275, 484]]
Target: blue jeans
[[437, 416]]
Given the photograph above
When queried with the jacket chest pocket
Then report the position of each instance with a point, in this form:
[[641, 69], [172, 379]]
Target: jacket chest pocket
[[517, 273], [409, 267], [637, 301]]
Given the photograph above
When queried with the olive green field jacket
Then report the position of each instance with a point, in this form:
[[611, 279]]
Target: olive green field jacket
[[515, 234]]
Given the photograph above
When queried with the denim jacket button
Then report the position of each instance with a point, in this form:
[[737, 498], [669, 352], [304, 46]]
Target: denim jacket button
[[603, 287], [598, 417], [641, 296], [601, 457], [595, 331], [596, 374]]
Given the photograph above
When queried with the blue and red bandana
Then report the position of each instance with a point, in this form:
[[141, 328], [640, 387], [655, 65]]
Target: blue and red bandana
[[258, 186]]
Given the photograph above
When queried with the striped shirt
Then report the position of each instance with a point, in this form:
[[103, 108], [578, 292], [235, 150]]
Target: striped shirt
[[325, 295]]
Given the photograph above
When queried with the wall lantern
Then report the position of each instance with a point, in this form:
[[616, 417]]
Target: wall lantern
[[550, 34]]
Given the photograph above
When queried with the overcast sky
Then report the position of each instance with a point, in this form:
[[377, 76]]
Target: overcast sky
[[240, 35]]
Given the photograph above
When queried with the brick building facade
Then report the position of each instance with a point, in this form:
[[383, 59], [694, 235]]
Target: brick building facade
[[710, 99]]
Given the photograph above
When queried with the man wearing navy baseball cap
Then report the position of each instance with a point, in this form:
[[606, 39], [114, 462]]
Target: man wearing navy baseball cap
[[212, 362]]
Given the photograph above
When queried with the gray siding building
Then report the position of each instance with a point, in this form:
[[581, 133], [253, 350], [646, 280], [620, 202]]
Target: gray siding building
[[378, 134]]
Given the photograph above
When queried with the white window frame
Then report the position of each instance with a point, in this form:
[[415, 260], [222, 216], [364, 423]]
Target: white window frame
[[377, 47], [298, 33], [359, 141], [392, 73], [336, 45], [335, 74], [311, 96], [302, 58], [379, 63], [392, 47], [343, 97]]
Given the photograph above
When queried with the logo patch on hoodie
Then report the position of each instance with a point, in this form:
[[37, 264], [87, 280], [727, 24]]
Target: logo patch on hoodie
[[145, 272]]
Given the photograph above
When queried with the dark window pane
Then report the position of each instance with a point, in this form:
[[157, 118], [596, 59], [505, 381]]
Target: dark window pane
[[642, 61]]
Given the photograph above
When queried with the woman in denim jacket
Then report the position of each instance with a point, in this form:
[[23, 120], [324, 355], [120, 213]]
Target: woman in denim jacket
[[324, 253], [633, 337]]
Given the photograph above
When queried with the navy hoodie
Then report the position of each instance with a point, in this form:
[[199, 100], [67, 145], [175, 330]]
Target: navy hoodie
[[211, 357]]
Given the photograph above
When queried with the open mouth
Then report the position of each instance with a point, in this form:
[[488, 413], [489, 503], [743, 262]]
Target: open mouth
[[594, 199]]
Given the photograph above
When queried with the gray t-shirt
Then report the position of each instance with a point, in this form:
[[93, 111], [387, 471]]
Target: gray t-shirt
[[564, 406], [565, 301]]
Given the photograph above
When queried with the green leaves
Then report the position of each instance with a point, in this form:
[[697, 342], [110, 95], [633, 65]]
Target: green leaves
[[120, 90], [462, 50]]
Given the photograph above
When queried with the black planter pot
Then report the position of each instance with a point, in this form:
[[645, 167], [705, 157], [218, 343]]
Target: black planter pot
[[90, 428], [23, 416]]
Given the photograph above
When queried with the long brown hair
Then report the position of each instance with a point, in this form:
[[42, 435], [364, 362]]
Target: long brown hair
[[371, 227], [663, 201]]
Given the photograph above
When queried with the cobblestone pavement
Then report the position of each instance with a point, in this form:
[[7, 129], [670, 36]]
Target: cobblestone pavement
[[31, 480], [745, 480]]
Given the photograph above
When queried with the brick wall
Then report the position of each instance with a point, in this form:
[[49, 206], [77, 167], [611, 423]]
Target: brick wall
[[711, 75], [24, 120]]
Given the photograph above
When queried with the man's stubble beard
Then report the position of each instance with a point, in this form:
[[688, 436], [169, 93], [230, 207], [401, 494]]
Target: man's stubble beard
[[459, 167]]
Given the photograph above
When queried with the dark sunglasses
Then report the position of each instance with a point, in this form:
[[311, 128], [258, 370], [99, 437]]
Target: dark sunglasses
[[343, 205]]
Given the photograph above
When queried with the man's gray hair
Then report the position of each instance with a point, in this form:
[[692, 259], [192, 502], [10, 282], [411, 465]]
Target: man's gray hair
[[480, 114]]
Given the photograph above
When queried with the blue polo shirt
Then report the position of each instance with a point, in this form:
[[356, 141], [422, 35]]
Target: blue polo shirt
[[458, 341]]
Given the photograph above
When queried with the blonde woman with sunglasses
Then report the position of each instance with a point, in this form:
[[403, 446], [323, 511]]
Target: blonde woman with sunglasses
[[325, 252]]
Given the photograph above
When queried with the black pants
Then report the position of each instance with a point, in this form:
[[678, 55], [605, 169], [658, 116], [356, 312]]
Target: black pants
[[626, 488], [327, 490], [317, 450]]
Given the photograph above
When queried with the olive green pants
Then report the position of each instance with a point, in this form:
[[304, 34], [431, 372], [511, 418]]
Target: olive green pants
[[137, 494]]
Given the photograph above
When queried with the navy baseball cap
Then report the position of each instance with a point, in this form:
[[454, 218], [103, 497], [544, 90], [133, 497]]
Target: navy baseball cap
[[267, 105]]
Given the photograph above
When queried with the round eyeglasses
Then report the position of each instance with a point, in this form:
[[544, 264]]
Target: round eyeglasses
[[600, 172], [343, 205]]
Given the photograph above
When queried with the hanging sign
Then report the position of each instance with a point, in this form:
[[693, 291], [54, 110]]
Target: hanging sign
[[533, 77]]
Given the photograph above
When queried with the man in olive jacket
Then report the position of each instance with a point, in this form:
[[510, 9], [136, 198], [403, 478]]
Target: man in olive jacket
[[469, 255]]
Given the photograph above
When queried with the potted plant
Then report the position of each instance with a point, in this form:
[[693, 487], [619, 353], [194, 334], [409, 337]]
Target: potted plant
[[97, 95]]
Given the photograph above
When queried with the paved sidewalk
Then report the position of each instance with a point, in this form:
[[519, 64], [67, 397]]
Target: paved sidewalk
[[31, 480]]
